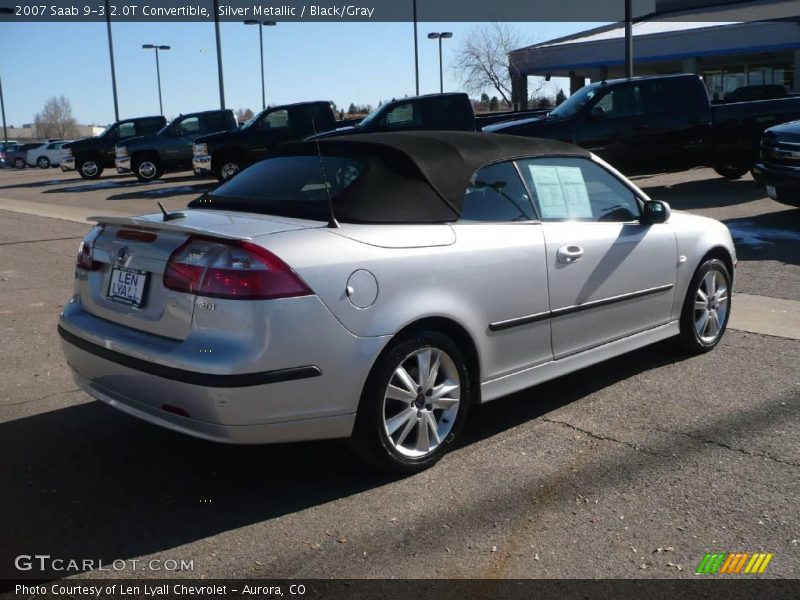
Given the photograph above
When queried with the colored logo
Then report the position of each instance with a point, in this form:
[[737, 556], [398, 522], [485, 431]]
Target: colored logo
[[734, 563]]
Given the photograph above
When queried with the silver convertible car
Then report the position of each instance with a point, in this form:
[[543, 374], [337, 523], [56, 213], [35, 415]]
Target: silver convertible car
[[374, 287]]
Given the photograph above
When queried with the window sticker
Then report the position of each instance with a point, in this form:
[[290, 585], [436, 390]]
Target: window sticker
[[561, 192]]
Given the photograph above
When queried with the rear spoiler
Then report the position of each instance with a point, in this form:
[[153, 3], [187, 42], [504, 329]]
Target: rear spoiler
[[148, 223]]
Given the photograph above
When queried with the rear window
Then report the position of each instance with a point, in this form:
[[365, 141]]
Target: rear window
[[292, 186]]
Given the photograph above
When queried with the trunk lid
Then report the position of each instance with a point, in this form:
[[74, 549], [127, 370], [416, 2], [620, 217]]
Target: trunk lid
[[141, 247]]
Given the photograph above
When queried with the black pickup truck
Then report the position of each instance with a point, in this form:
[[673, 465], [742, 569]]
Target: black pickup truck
[[778, 167], [89, 156], [449, 112], [226, 153], [662, 122], [170, 149]]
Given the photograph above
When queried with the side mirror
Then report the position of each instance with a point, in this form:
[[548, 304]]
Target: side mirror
[[655, 211]]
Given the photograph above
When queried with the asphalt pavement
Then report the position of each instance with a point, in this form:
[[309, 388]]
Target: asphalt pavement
[[634, 468]]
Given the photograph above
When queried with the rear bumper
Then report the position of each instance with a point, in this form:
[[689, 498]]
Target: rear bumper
[[123, 164], [201, 164], [298, 388], [68, 163]]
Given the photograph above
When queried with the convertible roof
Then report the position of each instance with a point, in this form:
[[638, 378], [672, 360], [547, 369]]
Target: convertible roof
[[444, 160]]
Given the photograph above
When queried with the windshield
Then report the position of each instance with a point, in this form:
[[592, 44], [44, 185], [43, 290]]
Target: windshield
[[106, 130], [572, 105], [254, 119], [289, 186], [381, 110]]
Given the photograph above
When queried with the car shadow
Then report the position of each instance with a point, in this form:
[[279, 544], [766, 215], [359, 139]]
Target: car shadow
[[88, 481], [128, 182], [165, 192], [706, 193], [769, 236]]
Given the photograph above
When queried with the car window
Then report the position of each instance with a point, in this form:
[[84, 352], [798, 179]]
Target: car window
[[275, 119], [189, 125], [217, 121], [403, 115], [126, 130], [577, 189], [623, 101], [448, 112], [673, 97], [496, 193]]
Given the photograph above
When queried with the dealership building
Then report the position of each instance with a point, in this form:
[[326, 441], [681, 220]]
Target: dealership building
[[728, 43]]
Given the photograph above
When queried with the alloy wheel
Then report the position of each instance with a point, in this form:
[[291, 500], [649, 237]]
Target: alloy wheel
[[228, 170], [89, 168], [421, 402], [711, 306], [147, 169]]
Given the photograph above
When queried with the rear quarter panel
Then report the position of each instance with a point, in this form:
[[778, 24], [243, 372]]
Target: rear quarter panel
[[489, 273]]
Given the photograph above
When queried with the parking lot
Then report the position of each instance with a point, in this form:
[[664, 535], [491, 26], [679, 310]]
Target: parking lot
[[633, 468]]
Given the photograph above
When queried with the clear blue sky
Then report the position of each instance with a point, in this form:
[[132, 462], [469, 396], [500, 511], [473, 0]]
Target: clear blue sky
[[343, 62]]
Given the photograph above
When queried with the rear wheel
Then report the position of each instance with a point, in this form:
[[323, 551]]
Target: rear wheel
[[90, 168], [43, 162], [414, 404], [148, 169], [707, 307], [787, 196], [731, 171]]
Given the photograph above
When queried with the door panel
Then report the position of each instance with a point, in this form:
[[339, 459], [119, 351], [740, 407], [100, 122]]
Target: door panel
[[588, 295]]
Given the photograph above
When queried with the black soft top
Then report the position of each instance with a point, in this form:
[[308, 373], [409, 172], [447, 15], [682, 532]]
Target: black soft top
[[419, 176]]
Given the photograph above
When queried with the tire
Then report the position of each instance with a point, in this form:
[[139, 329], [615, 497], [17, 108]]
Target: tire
[[43, 162], [226, 168], [148, 169], [19, 163], [387, 404], [711, 285], [731, 171], [90, 168]]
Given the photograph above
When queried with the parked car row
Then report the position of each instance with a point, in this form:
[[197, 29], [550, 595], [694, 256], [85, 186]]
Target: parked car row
[[36, 154]]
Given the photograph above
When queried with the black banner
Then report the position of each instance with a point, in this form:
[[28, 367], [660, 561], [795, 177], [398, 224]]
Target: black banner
[[388, 10]]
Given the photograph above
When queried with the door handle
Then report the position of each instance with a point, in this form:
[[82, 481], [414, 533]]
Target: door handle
[[569, 254]]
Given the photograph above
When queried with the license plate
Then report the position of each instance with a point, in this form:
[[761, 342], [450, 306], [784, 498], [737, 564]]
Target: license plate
[[771, 192], [127, 286]]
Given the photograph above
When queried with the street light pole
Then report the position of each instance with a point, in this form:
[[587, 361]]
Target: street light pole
[[158, 71], [3, 108], [4, 11], [416, 49], [111, 56], [219, 56], [261, 25], [628, 39], [444, 35]]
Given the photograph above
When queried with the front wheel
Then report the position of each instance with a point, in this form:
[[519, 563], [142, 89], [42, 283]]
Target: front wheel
[[414, 404], [43, 162], [731, 171], [706, 308], [90, 168], [148, 169], [226, 168], [19, 163]]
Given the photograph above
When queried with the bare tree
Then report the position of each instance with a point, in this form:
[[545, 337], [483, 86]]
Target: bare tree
[[56, 119], [482, 59], [244, 114]]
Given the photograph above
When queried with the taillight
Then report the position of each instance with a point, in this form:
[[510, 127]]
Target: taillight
[[86, 251], [231, 269]]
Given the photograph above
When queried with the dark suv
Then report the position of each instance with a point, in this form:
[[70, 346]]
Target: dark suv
[[170, 149], [89, 156]]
